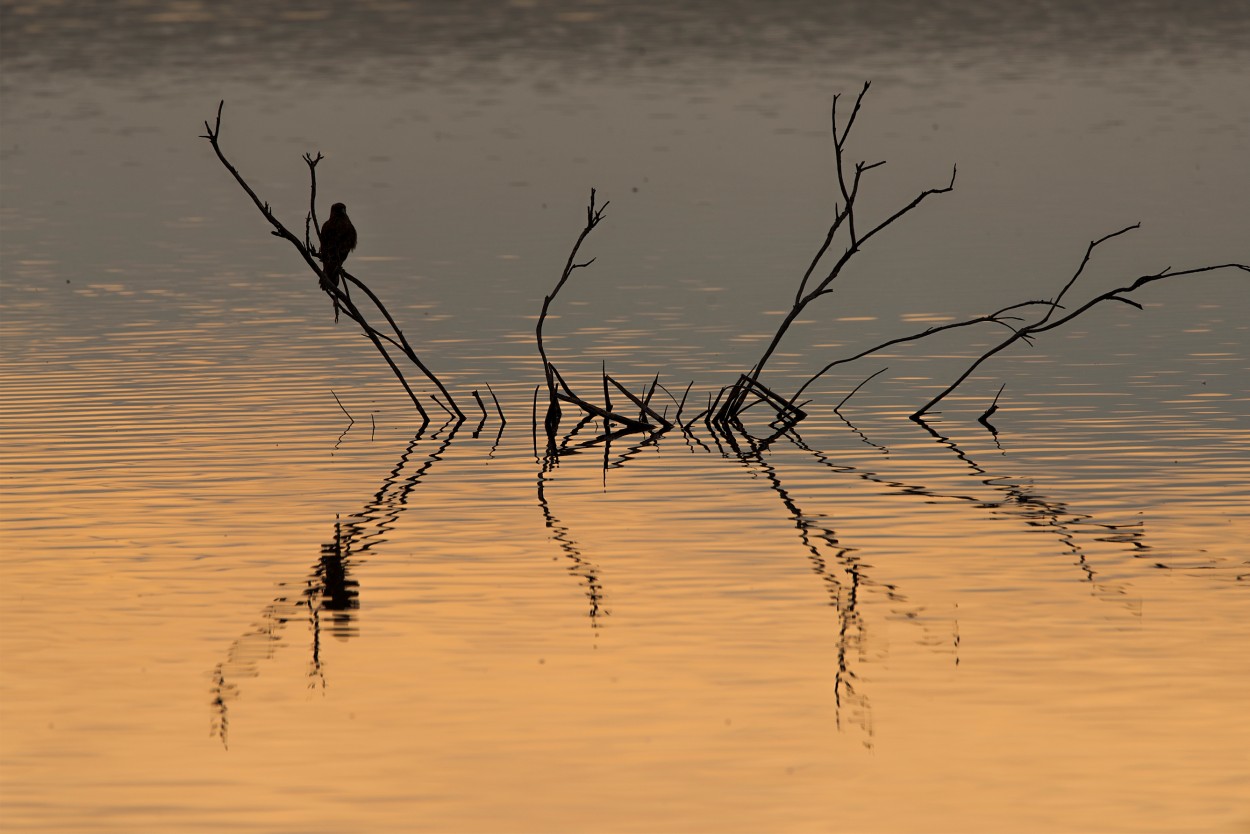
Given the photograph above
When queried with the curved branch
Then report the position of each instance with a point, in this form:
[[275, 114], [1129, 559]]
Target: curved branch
[[213, 135]]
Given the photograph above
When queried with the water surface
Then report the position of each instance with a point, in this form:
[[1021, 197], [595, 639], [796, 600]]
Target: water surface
[[230, 607]]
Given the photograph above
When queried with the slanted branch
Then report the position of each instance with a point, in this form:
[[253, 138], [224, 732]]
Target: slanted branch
[[1048, 320], [817, 282], [1012, 319], [340, 294], [558, 390], [1004, 317], [726, 409]]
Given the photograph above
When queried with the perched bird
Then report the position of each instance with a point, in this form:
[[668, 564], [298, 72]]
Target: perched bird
[[338, 238]]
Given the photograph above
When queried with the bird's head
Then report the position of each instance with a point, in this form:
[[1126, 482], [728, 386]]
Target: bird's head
[[338, 208]]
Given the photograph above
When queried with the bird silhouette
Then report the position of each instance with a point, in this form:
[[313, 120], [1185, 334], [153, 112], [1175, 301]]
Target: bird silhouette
[[338, 238]]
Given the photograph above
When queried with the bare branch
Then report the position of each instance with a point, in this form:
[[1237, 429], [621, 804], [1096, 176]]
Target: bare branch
[[1089, 251], [341, 298], [593, 218], [843, 218], [996, 317], [1139, 283], [984, 419], [643, 406], [905, 209], [557, 389], [855, 390], [1044, 323], [502, 420]]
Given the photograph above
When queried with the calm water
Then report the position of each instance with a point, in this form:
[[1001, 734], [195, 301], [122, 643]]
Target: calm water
[[228, 607]]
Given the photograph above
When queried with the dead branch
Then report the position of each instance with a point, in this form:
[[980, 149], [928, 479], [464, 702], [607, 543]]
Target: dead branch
[[984, 419], [1044, 323], [565, 394], [644, 404], [498, 408], [809, 288], [558, 390], [338, 294], [997, 317]]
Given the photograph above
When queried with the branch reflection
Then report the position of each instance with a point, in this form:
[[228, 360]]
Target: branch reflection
[[586, 571], [1056, 517], [328, 595], [842, 573], [1037, 511]]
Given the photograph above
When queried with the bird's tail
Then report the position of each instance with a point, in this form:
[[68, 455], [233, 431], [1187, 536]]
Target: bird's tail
[[330, 275], [330, 280]]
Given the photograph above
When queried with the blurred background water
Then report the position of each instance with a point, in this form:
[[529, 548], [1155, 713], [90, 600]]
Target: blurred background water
[[222, 610]]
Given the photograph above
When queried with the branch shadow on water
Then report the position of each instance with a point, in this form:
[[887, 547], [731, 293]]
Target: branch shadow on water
[[848, 578], [844, 575], [586, 571], [329, 595], [1057, 517], [1019, 501]]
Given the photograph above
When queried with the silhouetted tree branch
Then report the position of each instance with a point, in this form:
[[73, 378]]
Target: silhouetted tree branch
[[748, 391], [1045, 323], [557, 389], [734, 401], [997, 317], [339, 294], [725, 408]]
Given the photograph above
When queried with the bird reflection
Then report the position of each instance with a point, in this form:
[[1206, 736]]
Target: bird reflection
[[328, 596]]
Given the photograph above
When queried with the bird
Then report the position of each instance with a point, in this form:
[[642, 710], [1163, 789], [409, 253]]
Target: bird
[[338, 238]]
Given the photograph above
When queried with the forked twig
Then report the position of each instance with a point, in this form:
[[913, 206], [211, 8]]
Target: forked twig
[[810, 289], [558, 390]]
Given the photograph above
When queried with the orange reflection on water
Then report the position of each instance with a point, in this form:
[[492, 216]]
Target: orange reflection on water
[[893, 635]]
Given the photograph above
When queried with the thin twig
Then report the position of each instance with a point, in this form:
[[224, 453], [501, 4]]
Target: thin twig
[[1044, 323], [498, 408], [844, 217], [855, 390], [344, 410]]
